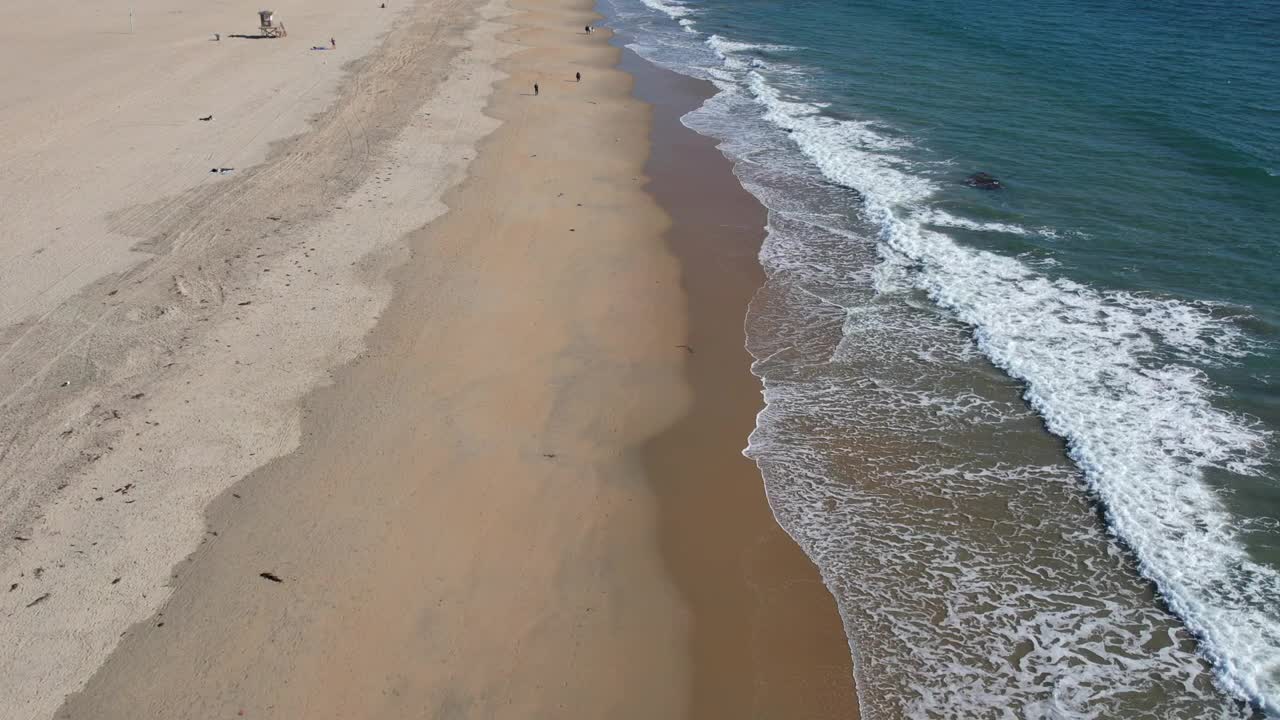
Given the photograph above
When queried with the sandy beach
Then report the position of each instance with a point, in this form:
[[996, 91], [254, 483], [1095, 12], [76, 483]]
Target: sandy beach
[[431, 407]]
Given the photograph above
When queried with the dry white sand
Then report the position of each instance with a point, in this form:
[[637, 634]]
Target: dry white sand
[[159, 323]]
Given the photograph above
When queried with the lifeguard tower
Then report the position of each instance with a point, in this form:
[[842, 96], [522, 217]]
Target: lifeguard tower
[[269, 26]]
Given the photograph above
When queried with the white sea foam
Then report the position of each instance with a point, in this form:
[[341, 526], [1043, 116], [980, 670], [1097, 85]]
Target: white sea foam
[[942, 218], [1144, 431], [739, 55], [670, 8], [724, 47]]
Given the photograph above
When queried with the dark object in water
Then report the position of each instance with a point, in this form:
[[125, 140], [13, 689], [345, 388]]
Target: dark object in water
[[983, 181]]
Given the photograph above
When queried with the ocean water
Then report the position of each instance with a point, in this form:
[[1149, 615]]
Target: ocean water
[[1027, 435]]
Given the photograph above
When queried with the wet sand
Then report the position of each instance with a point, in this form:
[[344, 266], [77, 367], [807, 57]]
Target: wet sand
[[780, 635]]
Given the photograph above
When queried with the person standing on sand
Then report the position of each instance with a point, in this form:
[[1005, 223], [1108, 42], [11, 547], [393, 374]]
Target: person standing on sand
[[587, 29], [333, 43], [577, 76], [535, 89]]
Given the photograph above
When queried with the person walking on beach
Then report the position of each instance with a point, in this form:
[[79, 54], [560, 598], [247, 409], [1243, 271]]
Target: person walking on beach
[[588, 29], [333, 43], [578, 76], [535, 89]]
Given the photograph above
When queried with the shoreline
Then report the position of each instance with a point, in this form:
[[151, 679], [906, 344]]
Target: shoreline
[[783, 640]]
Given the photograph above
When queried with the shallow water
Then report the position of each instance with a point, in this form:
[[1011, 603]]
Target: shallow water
[[1027, 435]]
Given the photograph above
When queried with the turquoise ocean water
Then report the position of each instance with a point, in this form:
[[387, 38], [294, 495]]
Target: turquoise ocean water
[[1028, 435]]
